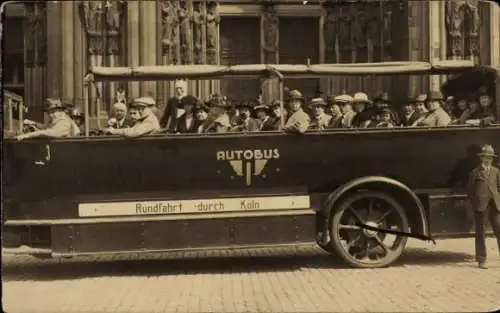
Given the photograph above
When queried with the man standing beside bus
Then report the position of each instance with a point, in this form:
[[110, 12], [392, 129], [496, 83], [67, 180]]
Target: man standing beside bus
[[483, 191], [298, 120], [147, 122], [60, 124], [171, 113]]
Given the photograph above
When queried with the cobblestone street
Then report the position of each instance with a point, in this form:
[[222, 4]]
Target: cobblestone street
[[427, 279]]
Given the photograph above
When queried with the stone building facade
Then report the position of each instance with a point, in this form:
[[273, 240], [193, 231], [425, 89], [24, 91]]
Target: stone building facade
[[62, 39]]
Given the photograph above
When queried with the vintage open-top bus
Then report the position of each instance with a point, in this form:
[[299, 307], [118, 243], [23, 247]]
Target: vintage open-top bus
[[358, 193]]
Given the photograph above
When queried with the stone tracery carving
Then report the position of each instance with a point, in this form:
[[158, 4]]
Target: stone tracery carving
[[213, 21], [169, 20], [185, 34], [462, 24], [198, 24], [271, 28]]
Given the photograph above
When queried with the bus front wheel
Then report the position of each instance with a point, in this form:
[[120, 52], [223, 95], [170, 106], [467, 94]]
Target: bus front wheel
[[365, 248]]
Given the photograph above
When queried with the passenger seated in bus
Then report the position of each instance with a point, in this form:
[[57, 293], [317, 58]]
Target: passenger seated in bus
[[385, 119], [487, 112], [245, 121], [336, 113], [348, 113], [187, 122], [277, 110], [154, 108], [147, 123], [410, 114], [471, 113], [171, 112], [449, 105], [320, 120], [458, 109], [364, 109], [119, 117], [383, 102], [420, 107], [262, 114], [297, 121], [436, 117], [60, 124], [201, 115], [218, 117], [79, 118]]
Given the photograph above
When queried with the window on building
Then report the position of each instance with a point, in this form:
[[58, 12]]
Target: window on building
[[298, 43], [240, 44]]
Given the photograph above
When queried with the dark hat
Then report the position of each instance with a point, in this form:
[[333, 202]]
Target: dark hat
[[276, 103], [189, 100], [218, 102], [245, 104], [261, 107], [317, 102], [384, 97], [54, 104], [386, 111], [76, 113], [435, 95], [201, 107]]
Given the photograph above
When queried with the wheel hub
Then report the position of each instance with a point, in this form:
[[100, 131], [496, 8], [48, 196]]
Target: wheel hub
[[368, 232]]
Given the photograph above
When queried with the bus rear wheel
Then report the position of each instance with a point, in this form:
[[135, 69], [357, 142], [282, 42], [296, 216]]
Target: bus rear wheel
[[365, 248]]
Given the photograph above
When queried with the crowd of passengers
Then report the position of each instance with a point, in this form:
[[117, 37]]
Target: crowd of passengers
[[185, 113]]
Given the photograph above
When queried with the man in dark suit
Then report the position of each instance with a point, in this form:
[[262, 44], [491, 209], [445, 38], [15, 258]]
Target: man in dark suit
[[173, 108], [410, 114], [483, 191]]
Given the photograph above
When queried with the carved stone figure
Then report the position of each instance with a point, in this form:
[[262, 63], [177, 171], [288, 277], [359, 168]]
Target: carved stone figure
[[114, 12], [462, 22], [330, 31], [271, 38], [198, 23], [92, 21], [32, 20], [185, 33], [213, 21], [170, 26]]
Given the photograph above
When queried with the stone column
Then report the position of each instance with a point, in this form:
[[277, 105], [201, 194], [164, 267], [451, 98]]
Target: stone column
[[68, 56], [147, 42], [494, 34], [80, 57], [133, 51], [434, 40], [269, 50], [54, 52]]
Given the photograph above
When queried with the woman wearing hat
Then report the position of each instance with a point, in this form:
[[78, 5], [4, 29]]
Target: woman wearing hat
[[219, 121], [319, 120], [201, 114], [487, 112], [437, 117], [483, 191], [267, 123], [60, 124], [364, 109], [146, 123], [119, 118], [187, 122], [298, 121], [277, 110], [348, 114], [245, 122]]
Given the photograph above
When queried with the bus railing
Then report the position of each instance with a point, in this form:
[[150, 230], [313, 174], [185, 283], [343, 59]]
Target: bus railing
[[12, 100]]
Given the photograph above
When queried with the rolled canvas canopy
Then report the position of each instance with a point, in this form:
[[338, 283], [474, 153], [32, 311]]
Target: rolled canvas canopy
[[172, 72]]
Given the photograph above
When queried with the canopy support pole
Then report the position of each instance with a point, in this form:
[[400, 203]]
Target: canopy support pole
[[86, 84], [282, 104]]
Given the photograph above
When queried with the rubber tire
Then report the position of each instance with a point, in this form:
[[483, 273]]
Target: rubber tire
[[335, 219]]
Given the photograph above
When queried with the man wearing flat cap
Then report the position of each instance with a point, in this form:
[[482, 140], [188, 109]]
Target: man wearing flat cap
[[298, 121], [320, 120], [60, 124], [437, 116], [245, 122], [120, 118], [147, 123], [483, 190]]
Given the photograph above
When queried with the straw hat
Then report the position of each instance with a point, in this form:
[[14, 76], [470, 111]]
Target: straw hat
[[54, 104], [343, 99], [487, 151], [361, 97]]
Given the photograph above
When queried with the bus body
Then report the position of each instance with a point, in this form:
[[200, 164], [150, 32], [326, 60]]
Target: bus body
[[91, 195]]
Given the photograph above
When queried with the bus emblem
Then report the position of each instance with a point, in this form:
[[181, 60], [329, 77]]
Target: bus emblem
[[248, 163]]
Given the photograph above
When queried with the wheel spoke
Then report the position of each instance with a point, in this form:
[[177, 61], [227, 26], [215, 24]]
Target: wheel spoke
[[379, 241], [371, 203], [343, 226], [356, 215], [383, 216]]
